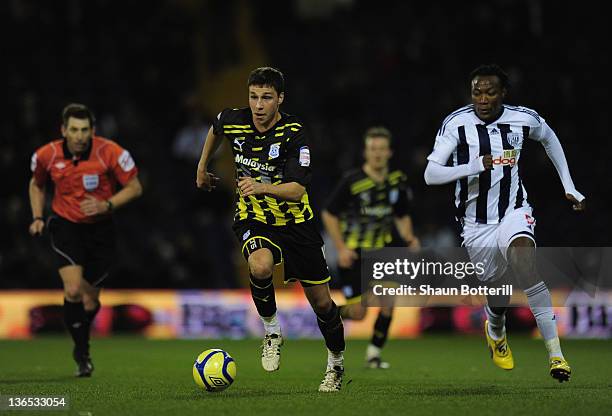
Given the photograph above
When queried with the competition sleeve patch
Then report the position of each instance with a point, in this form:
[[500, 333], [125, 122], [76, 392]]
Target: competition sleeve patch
[[126, 162], [304, 156]]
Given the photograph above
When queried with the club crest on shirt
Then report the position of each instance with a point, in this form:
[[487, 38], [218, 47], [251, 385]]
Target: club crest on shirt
[[393, 195], [365, 198], [514, 139], [91, 182], [274, 151]]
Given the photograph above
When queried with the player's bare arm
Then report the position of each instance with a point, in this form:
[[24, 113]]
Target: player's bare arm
[[406, 231], [346, 256], [94, 206], [291, 191], [37, 204], [204, 179]]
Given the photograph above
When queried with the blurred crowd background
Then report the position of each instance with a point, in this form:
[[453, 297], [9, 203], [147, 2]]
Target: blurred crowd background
[[155, 73]]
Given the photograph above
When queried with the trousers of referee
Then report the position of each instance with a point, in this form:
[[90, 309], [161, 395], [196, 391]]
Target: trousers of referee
[[85, 170]]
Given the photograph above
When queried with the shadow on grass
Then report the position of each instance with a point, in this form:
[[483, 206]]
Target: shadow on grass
[[235, 394], [62, 379]]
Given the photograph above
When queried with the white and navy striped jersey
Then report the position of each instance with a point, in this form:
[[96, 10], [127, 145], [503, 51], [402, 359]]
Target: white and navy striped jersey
[[487, 197]]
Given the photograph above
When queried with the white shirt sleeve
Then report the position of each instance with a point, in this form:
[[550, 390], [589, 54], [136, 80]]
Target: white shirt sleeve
[[438, 174], [545, 135], [443, 148]]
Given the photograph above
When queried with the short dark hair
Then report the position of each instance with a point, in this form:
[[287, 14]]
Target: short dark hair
[[267, 76], [377, 131], [491, 70], [79, 111]]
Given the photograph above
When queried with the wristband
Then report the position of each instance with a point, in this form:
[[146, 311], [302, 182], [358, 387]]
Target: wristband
[[109, 205], [38, 218]]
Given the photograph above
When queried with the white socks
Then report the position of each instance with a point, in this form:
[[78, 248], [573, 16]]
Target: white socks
[[540, 303], [335, 359], [372, 351], [271, 324], [497, 324]]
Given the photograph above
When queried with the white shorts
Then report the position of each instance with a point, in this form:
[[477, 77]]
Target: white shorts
[[488, 243]]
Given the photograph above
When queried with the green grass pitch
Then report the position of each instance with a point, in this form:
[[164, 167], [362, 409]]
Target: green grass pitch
[[431, 375]]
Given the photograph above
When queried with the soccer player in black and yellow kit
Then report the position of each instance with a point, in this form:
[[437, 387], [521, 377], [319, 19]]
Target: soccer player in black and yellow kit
[[273, 219], [361, 214]]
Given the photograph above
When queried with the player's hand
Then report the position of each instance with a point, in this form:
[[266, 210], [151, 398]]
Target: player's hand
[[576, 205], [206, 180], [346, 257], [414, 244], [487, 162], [93, 206], [249, 186], [37, 227]]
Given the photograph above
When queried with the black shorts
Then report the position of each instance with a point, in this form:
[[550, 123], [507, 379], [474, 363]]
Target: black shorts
[[91, 246], [298, 246], [350, 278]]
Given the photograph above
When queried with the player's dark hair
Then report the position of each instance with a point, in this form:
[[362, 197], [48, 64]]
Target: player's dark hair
[[268, 76], [377, 131], [491, 70], [79, 111]]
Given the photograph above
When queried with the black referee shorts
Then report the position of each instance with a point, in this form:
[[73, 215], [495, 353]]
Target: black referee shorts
[[91, 246], [298, 246]]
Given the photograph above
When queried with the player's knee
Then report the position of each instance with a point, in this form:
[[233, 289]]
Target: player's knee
[[90, 303], [523, 263], [72, 293], [358, 313], [321, 305], [386, 311], [260, 269]]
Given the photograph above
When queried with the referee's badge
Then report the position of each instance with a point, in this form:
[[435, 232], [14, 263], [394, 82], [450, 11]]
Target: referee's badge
[[274, 151], [514, 139], [90, 182]]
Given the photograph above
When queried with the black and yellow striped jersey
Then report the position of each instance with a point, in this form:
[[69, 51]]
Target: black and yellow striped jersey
[[279, 155], [367, 209]]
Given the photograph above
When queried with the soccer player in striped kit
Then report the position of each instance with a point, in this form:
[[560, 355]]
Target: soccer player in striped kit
[[367, 206], [485, 141], [274, 221]]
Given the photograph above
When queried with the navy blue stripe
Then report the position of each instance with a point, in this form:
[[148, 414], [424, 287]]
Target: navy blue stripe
[[504, 185], [226, 361], [463, 157], [484, 179], [451, 116], [200, 368], [530, 294], [526, 111], [536, 291], [522, 233], [465, 107]]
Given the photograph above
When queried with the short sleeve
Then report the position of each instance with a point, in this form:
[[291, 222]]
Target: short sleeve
[[340, 198], [218, 123], [297, 167], [122, 164], [405, 200], [39, 166]]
